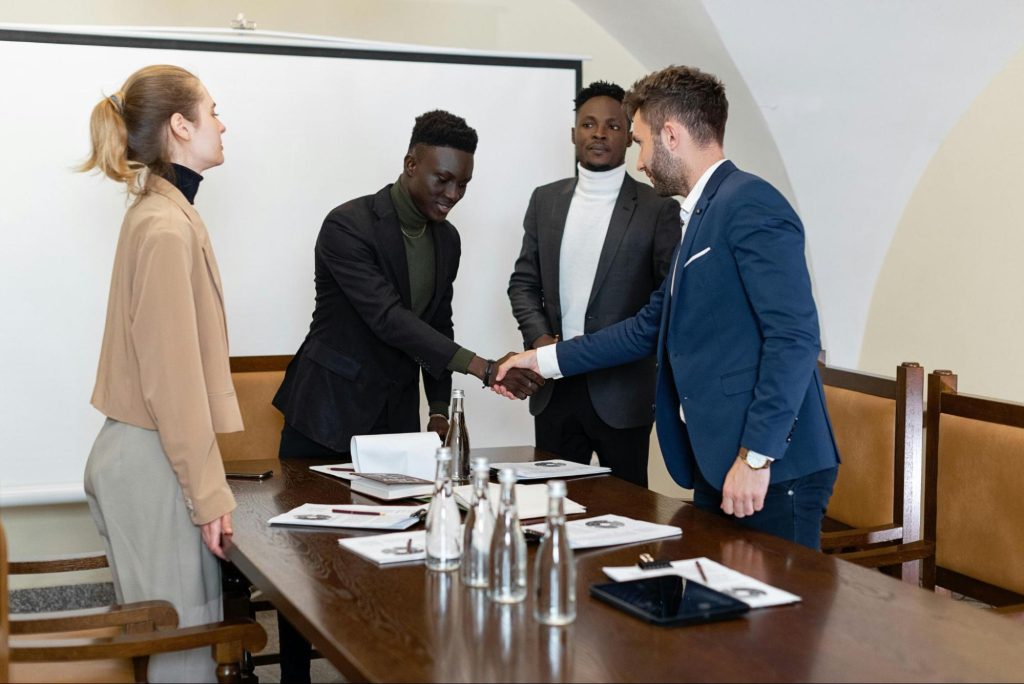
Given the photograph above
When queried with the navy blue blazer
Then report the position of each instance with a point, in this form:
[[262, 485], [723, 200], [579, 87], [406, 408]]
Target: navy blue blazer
[[736, 336]]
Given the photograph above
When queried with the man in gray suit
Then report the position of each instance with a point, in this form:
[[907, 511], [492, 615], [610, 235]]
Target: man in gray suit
[[594, 248]]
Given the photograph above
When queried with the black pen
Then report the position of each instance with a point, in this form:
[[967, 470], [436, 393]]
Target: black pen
[[703, 577], [345, 510]]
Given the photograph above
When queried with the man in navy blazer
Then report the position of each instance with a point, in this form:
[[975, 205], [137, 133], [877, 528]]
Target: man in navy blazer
[[740, 409]]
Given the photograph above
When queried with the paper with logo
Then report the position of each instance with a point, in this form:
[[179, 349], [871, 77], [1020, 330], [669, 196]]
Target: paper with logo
[[754, 593], [385, 549], [352, 516], [553, 468], [611, 530], [409, 453]]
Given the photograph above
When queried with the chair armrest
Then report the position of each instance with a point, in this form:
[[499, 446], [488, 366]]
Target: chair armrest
[[860, 536], [890, 555], [160, 614], [90, 560], [245, 634]]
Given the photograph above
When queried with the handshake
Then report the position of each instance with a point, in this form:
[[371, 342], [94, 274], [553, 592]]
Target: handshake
[[514, 376]]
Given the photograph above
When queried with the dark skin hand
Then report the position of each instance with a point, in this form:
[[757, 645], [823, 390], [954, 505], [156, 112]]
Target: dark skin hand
[[519, 382], [544, 340], [438, 424]]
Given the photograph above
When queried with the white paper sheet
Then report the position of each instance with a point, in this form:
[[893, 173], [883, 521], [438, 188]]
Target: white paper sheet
[[409, 453], [385, 549], [611, 530], [332, 515], [531, 500], [551, 469]]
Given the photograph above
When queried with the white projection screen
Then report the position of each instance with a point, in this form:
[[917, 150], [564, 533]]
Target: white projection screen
[[309, 126]]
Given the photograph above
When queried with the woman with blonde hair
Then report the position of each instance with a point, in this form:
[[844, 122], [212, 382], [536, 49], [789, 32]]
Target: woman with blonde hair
[[154, 479]]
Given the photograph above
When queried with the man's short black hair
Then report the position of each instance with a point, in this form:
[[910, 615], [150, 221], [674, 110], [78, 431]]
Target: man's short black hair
[[443, 129], [599, 89]]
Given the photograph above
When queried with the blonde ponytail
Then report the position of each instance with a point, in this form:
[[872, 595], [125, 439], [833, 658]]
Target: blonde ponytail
[[110, 144], [129, 128]]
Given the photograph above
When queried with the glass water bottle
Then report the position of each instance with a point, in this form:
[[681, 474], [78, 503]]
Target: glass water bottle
[[458, 438], [443, 534], [508, 546], [555, 571], [476, 540]]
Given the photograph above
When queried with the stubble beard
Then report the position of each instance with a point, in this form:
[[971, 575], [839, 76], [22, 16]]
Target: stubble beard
[[668, 173]]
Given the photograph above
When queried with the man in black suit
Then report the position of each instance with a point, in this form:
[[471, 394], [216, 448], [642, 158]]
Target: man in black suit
[[385, 265], [594, 248]]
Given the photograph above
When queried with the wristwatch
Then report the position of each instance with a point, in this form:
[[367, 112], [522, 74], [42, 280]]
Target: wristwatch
[[755, 461]]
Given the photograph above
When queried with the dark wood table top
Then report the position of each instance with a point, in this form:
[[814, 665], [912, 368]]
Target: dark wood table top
[[404, 623]]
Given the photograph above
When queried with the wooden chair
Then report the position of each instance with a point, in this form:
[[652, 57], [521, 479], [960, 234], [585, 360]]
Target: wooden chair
[[106, 644], [256, 380], [973, 540], [877, 422]]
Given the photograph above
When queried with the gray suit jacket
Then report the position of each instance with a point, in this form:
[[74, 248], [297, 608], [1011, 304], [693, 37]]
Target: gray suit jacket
[[642, 235]]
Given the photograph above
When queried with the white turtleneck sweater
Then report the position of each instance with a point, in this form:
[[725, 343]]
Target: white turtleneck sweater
[[586, 225]]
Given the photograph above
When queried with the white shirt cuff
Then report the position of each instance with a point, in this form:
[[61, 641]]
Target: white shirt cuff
[[547, 362]]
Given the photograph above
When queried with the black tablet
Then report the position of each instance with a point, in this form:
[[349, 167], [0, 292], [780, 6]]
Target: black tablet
[[669, 600]]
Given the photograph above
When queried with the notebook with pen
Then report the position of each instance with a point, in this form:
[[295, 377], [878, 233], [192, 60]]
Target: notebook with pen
[[352, 516]]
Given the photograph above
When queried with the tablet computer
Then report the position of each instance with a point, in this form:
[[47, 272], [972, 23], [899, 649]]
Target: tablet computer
[[669, 600]]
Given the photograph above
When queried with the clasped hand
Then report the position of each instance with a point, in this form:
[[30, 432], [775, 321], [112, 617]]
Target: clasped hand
[[514, 383]]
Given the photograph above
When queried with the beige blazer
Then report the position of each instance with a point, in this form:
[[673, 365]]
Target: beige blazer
[[164, 361]]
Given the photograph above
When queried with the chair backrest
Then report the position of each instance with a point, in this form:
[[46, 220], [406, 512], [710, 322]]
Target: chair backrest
[[877, 423], [256, 380], [974, 494]]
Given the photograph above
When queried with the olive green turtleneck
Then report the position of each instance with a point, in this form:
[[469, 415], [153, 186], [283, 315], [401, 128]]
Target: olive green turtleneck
[[418, 238]]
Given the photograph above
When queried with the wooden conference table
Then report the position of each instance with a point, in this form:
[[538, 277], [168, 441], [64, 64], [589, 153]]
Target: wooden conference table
[[408, 624]]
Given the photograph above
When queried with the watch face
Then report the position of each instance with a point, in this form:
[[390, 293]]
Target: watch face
[[756, 461]]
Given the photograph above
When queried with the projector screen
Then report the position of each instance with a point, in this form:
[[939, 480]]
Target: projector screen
[[309, 126]]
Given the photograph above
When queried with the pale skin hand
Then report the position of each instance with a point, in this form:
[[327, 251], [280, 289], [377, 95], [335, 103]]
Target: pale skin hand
[[745, 488], [212, 533], [527, 360]]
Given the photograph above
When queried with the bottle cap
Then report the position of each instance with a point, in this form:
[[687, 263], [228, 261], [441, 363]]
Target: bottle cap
[[443, 454], [507, 475], [556, 488], [458, 394], [479, 464]]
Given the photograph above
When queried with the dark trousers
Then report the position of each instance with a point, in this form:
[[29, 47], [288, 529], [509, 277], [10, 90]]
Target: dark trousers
[[792, 509], [570, 427], [296, 651]]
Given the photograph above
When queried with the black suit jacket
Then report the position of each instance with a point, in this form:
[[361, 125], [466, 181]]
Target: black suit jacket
[[365, 346], [643, 233]]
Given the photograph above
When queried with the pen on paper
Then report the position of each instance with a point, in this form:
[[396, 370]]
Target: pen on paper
[[350, 512], [703, 577], [341, 469]]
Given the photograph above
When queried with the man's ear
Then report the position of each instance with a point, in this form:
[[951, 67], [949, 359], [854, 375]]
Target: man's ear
[[671, 135], [409, 163], [181, 128], [572, 135]]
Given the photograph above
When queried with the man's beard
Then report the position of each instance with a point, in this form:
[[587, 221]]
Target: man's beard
[[668, 173]]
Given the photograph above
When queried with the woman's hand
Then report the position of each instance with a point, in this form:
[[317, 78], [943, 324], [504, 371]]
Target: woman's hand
[[213, 532]]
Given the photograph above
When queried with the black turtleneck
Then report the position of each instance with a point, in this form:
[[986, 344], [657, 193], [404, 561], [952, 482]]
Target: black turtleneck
[[186, 180]]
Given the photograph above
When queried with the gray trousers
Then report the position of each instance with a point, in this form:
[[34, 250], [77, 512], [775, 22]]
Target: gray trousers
[[154, 549]]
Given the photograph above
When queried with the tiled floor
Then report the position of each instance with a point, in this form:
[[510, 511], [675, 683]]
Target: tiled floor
[[321, 671]]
